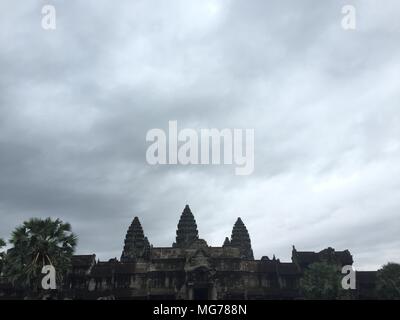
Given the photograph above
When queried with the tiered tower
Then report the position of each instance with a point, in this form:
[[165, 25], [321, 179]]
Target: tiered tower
[[187, 232], [240, 238], [136, 244], [227, 242]]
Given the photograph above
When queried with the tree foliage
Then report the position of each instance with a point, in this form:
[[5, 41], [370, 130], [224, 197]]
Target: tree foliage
[[388, 281], [2, 254], [36, 243], [321, 281]]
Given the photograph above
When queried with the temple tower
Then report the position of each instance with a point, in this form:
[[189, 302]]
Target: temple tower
[[240, 238], [227, 242], [187, 232], [136, 244]]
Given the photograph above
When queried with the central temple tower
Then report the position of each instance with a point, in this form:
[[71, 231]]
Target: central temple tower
[[187, 232]]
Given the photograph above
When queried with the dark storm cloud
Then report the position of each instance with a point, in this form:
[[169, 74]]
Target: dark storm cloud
[[76, 104]]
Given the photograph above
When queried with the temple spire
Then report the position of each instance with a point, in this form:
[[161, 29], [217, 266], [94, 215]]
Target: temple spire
[[240, 238], [227, 242], [187, 229], [136, 244]]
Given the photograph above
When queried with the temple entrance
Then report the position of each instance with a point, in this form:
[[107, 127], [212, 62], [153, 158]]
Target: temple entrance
[[200, 294]]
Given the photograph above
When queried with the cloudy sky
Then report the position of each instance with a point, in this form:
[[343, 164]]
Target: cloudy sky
[[76, 104]]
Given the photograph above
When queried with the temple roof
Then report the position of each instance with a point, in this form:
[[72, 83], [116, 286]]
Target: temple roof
[[305, 258], [268, 266], [102, 269], [288, 268], [83, 260], [366, 277]]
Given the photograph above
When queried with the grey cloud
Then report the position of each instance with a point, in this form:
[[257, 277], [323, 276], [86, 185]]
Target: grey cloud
[[76, 103]]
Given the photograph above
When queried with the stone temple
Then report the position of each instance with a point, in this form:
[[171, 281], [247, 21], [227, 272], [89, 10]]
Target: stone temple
[[191, 269]]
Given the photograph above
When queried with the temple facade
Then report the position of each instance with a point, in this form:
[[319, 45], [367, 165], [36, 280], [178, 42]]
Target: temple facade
[[191, 269]]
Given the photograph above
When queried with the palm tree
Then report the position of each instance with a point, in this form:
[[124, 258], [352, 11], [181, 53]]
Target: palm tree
[[37, 243]]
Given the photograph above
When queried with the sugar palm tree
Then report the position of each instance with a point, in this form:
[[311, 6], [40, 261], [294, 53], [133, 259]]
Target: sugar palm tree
[[37, 243]]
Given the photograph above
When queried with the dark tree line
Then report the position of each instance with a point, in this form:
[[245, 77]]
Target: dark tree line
[[323, 281]]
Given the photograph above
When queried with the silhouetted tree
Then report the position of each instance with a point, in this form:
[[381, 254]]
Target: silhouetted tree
[[321, 280], [388, 281], [37, 243], [2, 254]]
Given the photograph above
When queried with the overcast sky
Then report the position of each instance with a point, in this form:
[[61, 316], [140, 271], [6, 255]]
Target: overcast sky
[[76, 104]]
